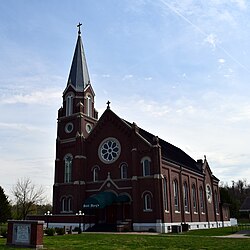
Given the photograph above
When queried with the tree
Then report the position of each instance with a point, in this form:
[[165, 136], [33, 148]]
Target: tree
[[234, 195], [44, 208], [5, 208], [27, 197]]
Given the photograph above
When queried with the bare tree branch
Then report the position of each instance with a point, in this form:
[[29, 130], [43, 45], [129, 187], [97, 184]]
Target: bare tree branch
[[27, 196]]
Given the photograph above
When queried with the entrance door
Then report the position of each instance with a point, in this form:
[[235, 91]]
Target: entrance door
[[111, 214]]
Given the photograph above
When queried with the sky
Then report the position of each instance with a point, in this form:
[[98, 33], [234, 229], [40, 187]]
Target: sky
[[179, 69]]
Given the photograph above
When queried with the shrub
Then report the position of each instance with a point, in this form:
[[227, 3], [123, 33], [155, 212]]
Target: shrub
[[50, 231], [60, 231], [3, 232], [76, 229]]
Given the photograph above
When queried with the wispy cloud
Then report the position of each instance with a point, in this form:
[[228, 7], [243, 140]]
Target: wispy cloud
[[20, 127], [126, 77], [212, 40], [242, 4], [106, 76], [209, 37], [44, 97], [221, 60]]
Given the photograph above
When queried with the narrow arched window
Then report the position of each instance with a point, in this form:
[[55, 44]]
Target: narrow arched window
[[95, 174], [63, 204], [69, 203], [96, 170], [176, 195], [69, 104], [201, 200], [89, 105], [194, 198], [216, 202], [185, 197], [147, 202], [146, 166], [165, 194], [68, 168], [124, 171]]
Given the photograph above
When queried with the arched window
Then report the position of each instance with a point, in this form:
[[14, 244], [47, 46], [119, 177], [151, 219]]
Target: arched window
[[146, 166], [124, 171], [66, 204], [147, 202], [95, 173], [68, 168], [69, 104], [63, 204], [89, 105], [165, 194], [185, 197], [201, 199], [194, 198], [69, 204], [216, 202], [176, 195]]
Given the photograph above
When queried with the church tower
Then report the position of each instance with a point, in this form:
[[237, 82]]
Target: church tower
[[76, 119]]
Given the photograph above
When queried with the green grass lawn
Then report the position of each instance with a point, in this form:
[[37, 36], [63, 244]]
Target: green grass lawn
[[213, 231], [197, 239]]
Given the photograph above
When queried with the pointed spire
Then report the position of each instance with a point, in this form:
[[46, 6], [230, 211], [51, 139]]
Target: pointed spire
[[79, 75]]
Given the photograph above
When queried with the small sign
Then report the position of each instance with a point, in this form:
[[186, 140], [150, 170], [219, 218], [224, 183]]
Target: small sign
[[91, 205], [21, 233]]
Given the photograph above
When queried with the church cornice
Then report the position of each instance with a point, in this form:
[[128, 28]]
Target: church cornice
[[77, 115], [165, 164], [62, 141]]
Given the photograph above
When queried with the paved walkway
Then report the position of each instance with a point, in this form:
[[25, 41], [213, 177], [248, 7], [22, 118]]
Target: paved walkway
[[238, 235]]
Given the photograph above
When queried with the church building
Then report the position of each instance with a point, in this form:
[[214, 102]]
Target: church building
[[121, 175]]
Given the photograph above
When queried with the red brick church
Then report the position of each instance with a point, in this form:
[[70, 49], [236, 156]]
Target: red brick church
[[118, 174]]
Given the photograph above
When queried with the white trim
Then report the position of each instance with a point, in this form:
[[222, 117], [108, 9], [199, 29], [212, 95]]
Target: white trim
[[144, 172], [167, 227], [67, 140], [69, 103], [66, 128], [100, 148], [80, 157]]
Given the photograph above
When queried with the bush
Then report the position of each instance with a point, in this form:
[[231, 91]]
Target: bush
[[60, 231], [49, 231], [76, 229], [3, 233]]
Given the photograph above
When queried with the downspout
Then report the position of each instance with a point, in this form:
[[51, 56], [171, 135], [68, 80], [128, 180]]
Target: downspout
[[181, 198], [214, 204], [205, 199]]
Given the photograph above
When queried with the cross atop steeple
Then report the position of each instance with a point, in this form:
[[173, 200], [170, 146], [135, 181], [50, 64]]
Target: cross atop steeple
[[108, 103], [79, 28]]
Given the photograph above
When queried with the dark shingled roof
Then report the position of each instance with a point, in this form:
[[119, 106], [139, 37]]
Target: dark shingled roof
[[79, 75], [171, 153], [245, 205]]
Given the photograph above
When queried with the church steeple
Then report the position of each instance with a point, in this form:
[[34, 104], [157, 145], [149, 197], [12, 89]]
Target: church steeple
[[79, 75]]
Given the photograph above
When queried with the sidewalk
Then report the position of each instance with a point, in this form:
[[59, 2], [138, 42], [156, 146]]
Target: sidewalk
[[238, 235]]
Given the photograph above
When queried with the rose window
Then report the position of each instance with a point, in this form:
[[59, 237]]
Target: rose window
[[109, 150]]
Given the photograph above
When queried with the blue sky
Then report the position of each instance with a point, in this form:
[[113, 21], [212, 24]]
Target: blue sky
[[179, 69]]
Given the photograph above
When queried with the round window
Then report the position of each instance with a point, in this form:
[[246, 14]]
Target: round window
[[88, 127], [69, 127], [109, 150]]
